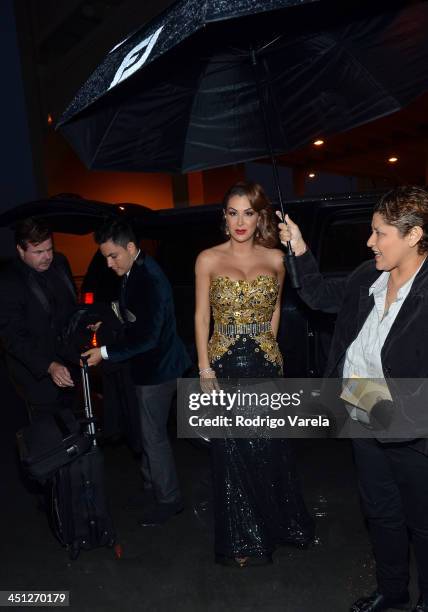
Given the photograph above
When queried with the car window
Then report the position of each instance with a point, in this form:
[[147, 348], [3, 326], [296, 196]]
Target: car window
[[344, 244], [177, 254]]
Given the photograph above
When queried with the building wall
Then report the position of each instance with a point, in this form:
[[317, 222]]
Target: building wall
[[65, 173]]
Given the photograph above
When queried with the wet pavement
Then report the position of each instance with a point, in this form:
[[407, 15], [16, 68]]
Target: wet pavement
[[172, 567]]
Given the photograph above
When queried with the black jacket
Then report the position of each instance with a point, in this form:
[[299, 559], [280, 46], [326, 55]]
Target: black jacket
[[150, 337], [404, 354], [30, 324]]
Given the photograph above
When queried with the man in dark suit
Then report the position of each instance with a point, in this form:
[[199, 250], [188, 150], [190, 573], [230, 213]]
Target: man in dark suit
[[157, 357], [37, 297]]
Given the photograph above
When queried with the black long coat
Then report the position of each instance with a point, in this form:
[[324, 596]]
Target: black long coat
[[28, 328], [404, 354]]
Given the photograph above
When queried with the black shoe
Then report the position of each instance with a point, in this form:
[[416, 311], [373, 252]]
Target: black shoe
[[422, 605], [160, 513], [377, 602]]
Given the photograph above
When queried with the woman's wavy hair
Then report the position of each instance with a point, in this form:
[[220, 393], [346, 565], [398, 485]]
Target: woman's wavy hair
[[267, 234], [404, 208]]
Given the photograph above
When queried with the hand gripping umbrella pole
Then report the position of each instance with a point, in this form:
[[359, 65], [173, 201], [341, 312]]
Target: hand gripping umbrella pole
[[289, 256]]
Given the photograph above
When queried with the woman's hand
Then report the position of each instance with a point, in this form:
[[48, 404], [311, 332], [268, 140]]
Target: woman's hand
[[290, 232], [208, 380]]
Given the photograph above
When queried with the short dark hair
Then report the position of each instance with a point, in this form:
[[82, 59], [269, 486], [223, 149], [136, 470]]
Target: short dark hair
[[117, 231], [31, 230], [406, 207]]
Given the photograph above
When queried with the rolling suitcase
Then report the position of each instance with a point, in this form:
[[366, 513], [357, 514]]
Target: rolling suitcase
[[79, 513]]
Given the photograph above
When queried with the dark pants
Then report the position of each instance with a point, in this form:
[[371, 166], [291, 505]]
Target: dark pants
[[157, 463], [393, 481]]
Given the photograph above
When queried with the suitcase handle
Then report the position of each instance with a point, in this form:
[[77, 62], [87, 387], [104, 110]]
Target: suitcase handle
[[87, 398]]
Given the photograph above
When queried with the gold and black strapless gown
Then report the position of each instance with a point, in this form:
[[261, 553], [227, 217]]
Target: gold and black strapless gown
[[257, 500]]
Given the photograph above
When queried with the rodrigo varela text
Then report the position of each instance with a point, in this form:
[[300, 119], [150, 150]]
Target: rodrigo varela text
[[258, 421]]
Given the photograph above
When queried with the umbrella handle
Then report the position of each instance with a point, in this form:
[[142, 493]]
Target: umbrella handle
[[291, 266]]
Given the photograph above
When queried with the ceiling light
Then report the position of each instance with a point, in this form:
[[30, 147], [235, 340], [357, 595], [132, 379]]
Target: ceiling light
[[312, 175], [392, 160], [319, 142]]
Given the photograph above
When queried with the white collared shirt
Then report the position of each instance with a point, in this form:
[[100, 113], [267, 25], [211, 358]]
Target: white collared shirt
[[363, 355]]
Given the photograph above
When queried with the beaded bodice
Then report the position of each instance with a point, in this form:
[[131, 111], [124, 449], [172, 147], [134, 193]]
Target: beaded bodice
[[242, 301], [238, 304]]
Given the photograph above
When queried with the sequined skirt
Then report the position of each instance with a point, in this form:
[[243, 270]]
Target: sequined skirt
[[257, 499], [246, 354]]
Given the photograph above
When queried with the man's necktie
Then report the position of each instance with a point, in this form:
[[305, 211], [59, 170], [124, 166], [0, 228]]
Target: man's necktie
[[122, 297]]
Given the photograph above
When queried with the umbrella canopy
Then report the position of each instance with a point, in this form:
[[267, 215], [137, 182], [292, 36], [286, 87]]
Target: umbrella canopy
[[181, 94], [74, 215]]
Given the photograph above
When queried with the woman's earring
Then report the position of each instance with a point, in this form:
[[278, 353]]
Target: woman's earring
[[227, 231]]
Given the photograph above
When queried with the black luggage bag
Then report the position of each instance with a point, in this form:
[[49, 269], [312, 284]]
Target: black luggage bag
[[50, 442], [78, 510]]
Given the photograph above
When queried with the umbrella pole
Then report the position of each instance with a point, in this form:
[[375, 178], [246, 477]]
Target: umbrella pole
[[289, 256]]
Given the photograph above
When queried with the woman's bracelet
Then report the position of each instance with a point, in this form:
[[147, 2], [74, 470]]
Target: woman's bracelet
[[206, 371]]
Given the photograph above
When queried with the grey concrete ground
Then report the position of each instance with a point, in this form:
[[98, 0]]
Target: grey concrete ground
[[172, 568]]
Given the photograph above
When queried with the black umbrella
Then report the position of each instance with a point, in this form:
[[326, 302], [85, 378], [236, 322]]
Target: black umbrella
[[181, 94], [215, 82]]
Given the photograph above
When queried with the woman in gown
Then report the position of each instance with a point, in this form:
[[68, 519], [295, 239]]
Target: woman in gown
[[257, 499]]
